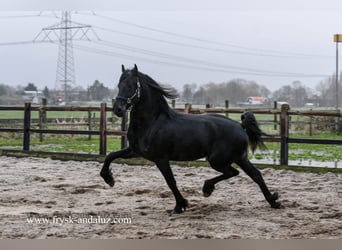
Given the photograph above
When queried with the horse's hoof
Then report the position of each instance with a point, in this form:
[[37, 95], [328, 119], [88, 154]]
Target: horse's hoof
[[180, 207], [207, 189], [110, 182], [276, 205], [108, 178]]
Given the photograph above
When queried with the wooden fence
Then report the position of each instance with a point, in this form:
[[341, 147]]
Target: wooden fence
[[27, 130], [282, 118]]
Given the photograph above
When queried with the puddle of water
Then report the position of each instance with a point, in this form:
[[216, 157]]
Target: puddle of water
[[306, 163], [268, 160]]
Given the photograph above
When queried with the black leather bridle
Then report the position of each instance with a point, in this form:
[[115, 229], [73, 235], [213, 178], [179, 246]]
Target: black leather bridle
[[129, 100]]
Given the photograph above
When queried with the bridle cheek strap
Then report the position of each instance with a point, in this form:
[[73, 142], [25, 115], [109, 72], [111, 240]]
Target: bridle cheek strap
[[130, 99]]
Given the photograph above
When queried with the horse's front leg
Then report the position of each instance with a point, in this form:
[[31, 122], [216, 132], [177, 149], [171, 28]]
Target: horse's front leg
[[165, 169], [106, 173]]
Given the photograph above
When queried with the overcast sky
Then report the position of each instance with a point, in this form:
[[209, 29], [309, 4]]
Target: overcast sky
[[177, 42]]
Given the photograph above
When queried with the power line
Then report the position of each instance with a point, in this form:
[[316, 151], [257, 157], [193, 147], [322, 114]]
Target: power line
[[192, 66], [20, 16], [23, 42], [39, 14], [246, 50], [173, 60], [212, 49], [190, 60], [187, 63], [154, 61]]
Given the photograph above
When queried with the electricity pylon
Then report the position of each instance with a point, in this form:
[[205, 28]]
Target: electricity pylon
[[65, 32]]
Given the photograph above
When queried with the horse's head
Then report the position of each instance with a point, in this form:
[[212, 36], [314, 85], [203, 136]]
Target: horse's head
[[129, 91]]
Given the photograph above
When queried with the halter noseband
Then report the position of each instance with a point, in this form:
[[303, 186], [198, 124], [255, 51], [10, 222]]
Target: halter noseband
[[137, 93]]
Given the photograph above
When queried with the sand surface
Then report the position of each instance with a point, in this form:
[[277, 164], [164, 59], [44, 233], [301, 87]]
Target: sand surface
[[44, 198]]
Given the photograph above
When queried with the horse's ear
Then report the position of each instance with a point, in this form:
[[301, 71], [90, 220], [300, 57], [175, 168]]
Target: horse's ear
[[123, 68], [135, 70]]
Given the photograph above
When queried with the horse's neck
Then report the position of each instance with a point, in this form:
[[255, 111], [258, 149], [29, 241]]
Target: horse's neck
[[144, 114]]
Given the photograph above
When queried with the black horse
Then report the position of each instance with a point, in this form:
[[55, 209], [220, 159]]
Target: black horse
[[160, 134]]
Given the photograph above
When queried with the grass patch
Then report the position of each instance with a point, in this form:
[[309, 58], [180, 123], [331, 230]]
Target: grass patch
[[18, 114], [68, 144], [81, 144]]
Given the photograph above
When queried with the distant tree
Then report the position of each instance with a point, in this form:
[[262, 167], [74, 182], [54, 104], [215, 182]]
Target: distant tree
[[7, 90], [327, 90], [46, 92], [98, 91], [265, 92], [201, 97], [295, 94], [30, 87], [283, 94], [3, 89], [300, 93], [8, 95], [236, 90], [187, 93]]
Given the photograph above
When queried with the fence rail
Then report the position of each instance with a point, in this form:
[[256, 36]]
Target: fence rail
[[27, 130], [282, 119]]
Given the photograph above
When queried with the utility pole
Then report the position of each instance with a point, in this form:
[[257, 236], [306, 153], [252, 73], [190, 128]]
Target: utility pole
[[65, 32], [65, 74], [337, 39]]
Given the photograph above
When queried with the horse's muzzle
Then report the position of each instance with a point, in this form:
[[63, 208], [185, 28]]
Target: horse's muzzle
[[119, 108]]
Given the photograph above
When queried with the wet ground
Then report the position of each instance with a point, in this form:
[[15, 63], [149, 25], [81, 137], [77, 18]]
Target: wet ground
[[43, 198]]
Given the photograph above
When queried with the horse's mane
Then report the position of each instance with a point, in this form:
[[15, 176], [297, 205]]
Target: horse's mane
[[168, 92]]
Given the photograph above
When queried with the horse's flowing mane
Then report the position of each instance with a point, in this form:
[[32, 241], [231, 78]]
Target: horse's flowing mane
[[168, 92]]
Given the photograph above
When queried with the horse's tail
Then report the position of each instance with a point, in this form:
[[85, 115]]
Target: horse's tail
[[250, 124]]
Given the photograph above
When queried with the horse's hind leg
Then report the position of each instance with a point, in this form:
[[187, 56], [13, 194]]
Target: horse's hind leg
[[256, 176], [227, 172], [105, 173]]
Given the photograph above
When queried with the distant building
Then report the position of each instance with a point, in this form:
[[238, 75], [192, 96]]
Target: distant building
[[35, 97], [279, 103], [256, 100], [259, 101]]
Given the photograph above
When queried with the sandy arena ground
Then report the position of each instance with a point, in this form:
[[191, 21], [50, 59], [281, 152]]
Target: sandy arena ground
[[44, 198]]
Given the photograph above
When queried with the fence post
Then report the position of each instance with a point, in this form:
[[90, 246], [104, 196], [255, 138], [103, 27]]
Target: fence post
[[113, 115], [173, 103], [187, 108], [226, 102], [284, 134], [103, 128], [42, 118], [27, 125], [275, 106], [89, 124], [338, 125], [310, 125]]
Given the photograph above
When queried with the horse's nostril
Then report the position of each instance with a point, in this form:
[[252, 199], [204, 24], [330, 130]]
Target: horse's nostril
[[118, 110]]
